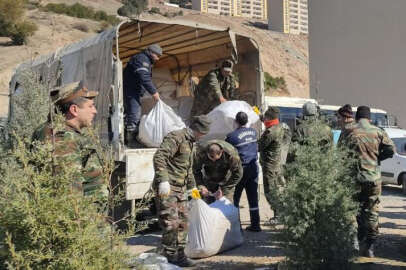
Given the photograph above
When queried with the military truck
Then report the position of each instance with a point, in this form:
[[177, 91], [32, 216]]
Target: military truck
[[190, 50]]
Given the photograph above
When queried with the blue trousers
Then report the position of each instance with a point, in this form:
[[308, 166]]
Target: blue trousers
[[132, 109], [249, 182]]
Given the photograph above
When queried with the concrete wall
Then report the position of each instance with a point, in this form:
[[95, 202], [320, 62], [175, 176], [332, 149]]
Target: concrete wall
[[275, 15], [357, 52]]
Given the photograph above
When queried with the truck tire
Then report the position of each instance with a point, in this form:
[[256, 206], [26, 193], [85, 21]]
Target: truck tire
[[403, 182]]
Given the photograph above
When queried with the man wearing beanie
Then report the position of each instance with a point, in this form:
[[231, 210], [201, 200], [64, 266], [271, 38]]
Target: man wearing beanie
[[345, 118], [216, 87], [244, 139], [311, 124], [173, 178], [371, 145], [273, 148], [137, 78]]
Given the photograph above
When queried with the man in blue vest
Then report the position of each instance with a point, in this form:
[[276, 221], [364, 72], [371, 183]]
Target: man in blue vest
[[137, 78], [244, 139]]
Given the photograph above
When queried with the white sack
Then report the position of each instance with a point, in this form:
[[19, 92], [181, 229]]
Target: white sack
[[212, 228], [157, 124], [223, 119]]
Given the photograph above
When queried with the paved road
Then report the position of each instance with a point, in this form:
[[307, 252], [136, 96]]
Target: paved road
[[262, 251]]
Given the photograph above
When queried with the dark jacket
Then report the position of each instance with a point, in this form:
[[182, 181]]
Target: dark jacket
[[137, 77], [245, 141]]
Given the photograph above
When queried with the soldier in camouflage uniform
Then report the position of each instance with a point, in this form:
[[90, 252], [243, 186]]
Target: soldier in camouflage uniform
[[216, 87], [173, 177], [309, 124], [371, 145], [273, 148], [71, 145], [217, 169], [346, 121]]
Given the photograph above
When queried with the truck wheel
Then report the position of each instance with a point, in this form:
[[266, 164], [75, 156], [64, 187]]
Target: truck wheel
[[403, 182]]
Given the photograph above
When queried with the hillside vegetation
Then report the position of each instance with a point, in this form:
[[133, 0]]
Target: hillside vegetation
[[283, 56]]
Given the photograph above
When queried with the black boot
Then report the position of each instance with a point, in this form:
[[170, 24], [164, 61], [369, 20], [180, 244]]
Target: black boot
[[254, 217], [130, 136], [366, 249], [182, 260]]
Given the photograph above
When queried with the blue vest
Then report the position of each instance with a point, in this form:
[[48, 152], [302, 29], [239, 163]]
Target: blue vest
[[245, 141]]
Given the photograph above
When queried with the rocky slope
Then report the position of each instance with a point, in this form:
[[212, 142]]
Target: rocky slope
[[282, 55]]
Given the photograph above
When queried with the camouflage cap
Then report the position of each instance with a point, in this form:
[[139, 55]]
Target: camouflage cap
[[227, 65], [309, 108], [201, 124], [68, 92], [272, 112]]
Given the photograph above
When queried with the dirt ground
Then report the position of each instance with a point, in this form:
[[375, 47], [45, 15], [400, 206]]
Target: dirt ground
[[261, 251]]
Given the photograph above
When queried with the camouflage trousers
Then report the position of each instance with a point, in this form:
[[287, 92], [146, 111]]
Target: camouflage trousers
[[173, 215], [367, 217], [274, 182]]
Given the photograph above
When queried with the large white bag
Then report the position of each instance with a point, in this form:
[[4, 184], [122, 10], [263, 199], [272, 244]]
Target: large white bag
[[212, 228], [223, 119], [157, 124]]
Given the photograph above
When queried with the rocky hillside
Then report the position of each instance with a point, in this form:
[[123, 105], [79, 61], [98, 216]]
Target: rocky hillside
[[282, 55]]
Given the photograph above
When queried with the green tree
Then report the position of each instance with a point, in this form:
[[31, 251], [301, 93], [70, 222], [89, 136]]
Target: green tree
[[273, 82], [44, 222], [317, 207], [132, 8]]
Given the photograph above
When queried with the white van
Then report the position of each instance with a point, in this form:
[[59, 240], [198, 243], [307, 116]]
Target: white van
[[393, 170]]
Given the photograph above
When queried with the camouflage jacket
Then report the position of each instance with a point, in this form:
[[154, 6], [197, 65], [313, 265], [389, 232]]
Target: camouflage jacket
[[173, 160], [345, 133], [273, 147], [307, 127], [76, 150], [372, 145], [224, 173], [210, 89]]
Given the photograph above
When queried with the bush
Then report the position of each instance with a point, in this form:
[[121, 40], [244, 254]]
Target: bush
[[274, 82], [44, 222], [317, 208], [80, 11], [132, 8], [12, 23], [81, 27], [154, 10]]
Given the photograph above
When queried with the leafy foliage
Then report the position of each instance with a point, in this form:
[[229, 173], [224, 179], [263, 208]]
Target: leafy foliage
[[132, 8], [45, 223], [12, 23], [80, 11], [274, 82], [317, 207]]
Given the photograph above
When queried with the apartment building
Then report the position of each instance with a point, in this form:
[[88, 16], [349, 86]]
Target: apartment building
[[256, 9], [288, 16]]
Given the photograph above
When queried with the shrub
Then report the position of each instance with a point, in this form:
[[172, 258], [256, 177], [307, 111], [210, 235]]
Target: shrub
[[80, 11], [317, 208], [12, 23], [81, 27], [273, 82], [154, 10], [132, 8], [44, 222]]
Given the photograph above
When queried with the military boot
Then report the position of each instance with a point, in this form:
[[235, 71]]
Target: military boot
[[130, 136], [366, 250], [182, 260], [254, 217]]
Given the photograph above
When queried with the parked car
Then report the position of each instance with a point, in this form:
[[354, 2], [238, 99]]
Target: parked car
[[393, 170]]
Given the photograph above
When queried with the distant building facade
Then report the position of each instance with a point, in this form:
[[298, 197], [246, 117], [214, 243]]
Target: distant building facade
[[256, 9], [288, 16], [357, 53]]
